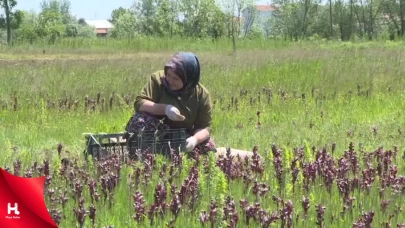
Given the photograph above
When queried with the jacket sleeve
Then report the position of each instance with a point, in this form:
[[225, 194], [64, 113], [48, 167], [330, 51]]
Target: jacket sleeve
[[204, 118], [151, 91]]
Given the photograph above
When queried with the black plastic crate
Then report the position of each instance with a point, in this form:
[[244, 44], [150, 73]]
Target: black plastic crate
[[136, 144], [101, 145], [157, 141]]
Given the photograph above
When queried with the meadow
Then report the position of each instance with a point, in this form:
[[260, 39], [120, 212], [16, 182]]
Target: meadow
[[327, 120]]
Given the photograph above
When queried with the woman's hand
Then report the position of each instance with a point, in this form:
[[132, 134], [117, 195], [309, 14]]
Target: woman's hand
[[152, 108], [161, 109], [173, 113], [191, 143], [199, 136]]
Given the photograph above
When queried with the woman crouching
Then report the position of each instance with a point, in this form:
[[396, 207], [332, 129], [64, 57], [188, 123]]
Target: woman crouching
[[174, 98]]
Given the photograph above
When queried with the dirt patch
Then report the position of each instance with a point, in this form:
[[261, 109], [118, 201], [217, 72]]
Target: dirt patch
[[243, 58]]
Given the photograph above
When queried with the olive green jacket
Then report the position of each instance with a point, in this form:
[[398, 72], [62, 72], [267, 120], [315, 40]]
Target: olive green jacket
[[196, 105]]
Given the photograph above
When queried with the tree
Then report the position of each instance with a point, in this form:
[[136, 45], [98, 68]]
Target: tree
[[217, 19], [147, 15], [250, 15], [395, 11], [197, 17], [330, 19], [231, 7], [28, 30], [12, 19], [164, 19], [116, 13], [53, 19], [124, 24], [81, 21], [240, 6]]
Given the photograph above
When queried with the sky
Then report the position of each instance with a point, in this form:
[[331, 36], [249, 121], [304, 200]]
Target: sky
[[89, 9]]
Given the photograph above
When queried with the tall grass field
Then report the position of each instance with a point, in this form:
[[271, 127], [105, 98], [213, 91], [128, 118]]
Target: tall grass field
[[326, 122]]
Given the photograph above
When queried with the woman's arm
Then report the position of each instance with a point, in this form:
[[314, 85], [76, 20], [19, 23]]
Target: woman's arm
[[204, 119], [152, 108], [202, 134], [202, 123], [147, 100]]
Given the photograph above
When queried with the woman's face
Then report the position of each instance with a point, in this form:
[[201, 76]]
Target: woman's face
[[175, 82]]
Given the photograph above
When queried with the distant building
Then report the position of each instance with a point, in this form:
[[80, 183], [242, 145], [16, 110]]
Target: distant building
[[257, 14], [103, 27]]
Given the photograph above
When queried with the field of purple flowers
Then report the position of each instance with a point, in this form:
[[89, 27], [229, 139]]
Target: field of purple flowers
[[306, 187], [327, 132]]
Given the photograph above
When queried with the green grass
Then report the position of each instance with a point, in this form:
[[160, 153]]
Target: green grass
[[157, 44], [349, 91]]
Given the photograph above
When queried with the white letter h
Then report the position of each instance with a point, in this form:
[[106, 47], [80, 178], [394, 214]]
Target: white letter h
[[15, 208]]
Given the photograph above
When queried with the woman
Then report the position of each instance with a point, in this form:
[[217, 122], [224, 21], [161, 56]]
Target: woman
[[176, 96]]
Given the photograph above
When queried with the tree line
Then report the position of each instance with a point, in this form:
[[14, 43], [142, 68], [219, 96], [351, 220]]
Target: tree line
[[289, 19]]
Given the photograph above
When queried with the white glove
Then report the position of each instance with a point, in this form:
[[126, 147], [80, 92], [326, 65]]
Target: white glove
[[191, 143], [173, 113]]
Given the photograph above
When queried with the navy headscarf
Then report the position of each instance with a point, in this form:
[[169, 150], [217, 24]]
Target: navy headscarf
[[187, 67]]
